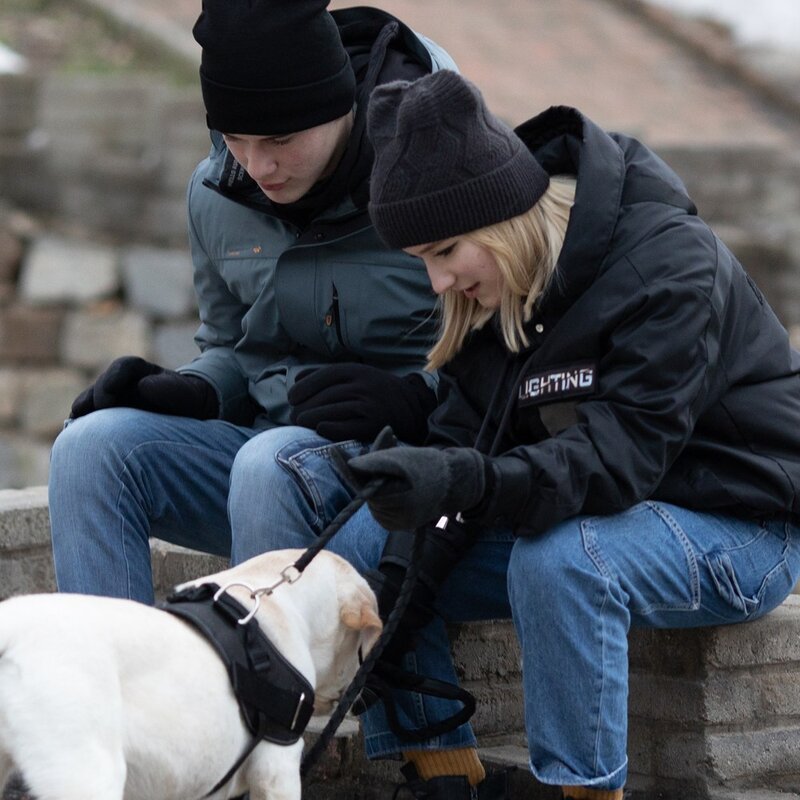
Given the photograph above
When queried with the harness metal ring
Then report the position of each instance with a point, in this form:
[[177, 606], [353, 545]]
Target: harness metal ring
[[253, 595]]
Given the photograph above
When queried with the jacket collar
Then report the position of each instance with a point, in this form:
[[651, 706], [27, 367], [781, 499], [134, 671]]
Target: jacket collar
[[568, 143]]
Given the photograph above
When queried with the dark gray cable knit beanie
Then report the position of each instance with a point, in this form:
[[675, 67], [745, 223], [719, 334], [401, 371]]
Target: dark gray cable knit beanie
[[444, 164], [272, 66]]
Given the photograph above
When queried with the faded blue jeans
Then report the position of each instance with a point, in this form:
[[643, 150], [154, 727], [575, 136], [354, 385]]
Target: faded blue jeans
[[120, 476], [573, 592]]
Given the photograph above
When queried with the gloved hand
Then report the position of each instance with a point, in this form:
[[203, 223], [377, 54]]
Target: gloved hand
[[421, 484], [133, 382], [355, 401]]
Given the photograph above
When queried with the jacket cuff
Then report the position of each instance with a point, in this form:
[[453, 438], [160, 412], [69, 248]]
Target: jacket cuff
[[508, 483]]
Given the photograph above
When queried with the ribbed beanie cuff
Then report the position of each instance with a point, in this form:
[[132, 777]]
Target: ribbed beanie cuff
[[271, 67], [232, 109]]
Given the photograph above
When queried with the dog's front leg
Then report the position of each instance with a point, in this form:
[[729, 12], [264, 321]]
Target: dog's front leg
[[273, 772]]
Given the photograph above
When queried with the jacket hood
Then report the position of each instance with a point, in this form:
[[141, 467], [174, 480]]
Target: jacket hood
[[612, 171]]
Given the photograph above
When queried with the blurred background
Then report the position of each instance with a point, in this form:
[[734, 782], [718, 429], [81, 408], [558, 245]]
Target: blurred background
[[101, 124]]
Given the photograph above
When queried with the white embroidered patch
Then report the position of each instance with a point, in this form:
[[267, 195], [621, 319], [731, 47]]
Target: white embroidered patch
[[557, 383]]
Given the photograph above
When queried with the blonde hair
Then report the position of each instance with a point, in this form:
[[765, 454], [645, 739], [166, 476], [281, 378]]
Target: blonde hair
[[526, 249]]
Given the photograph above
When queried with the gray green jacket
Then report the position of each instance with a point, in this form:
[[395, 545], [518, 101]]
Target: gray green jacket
[[278, 295]]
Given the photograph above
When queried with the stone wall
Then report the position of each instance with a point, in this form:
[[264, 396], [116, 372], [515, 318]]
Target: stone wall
[[94, 261], [110, 155]]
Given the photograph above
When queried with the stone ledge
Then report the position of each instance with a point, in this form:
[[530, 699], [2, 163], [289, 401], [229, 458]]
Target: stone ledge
[[714, 712]]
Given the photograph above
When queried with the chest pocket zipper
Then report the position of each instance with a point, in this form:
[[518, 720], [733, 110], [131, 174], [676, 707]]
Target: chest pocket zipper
[[332, 317]]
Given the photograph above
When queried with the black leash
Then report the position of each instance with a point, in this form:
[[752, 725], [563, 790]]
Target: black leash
[[389, 629], [289, 575], [437, 688]]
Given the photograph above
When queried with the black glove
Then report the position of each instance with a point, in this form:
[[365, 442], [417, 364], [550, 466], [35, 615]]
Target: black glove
[[355, 401], [421, 484], [133, 382]]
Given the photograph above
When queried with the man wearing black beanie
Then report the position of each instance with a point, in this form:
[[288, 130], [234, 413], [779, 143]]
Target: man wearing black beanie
[[311, 331]]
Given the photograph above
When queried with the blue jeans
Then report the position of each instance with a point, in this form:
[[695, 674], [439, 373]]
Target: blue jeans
[[120, 476], [573, 592]]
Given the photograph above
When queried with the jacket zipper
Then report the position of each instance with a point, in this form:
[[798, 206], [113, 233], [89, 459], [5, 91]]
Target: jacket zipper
[[332, 317]]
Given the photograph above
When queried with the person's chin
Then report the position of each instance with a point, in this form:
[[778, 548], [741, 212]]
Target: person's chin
[[489, 303]]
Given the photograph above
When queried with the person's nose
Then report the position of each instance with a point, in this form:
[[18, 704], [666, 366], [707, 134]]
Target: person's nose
[[441, 279], [261, 164]]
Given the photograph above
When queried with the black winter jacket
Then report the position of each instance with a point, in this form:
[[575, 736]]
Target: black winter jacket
[[656, 367]]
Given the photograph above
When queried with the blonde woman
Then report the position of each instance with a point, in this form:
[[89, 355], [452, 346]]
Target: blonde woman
[[618, 422]]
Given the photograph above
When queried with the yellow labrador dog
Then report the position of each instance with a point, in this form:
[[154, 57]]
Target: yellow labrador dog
[[104, 699]]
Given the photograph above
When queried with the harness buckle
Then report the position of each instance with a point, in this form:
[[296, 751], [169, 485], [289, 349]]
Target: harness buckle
[[288, 575], [254, 595]]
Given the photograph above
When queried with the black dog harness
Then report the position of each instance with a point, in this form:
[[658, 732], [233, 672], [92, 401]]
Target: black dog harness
[[276, 701]]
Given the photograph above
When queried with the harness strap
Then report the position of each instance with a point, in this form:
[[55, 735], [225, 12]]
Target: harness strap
[[275, 699]]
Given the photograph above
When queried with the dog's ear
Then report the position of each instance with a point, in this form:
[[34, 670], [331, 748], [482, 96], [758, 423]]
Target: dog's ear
[[359, 611]]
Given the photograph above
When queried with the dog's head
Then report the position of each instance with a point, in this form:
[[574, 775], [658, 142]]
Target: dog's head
[[359, 627], [323, 623]]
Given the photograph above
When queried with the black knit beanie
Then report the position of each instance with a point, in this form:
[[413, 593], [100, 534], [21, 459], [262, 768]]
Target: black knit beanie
[[272, 66], [444, 164]]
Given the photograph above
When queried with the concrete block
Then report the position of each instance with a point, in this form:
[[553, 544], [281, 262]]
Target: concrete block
[[24, 518], [18, 101], [728, 182], [10, 391], [173, 565], [666, 698], [737, 697], [24, 461], [46, 399], [675, 653], [499, 708], [116, 113], [30, 335], [26, 573], [486, 650], [11, 251], [666, 752], [158, 281], [745, 754], [753, 794], [26, 564], [94, 338], [164, 217], [773, 639], [59, 270]]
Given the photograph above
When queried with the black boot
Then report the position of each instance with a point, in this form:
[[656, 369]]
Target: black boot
[[453, 787]]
